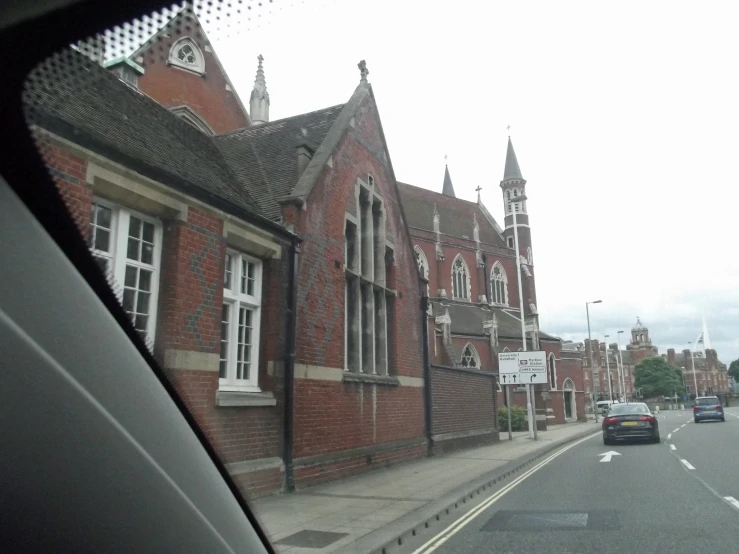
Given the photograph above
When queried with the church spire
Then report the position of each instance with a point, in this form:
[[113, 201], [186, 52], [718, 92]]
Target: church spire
[[512, 171], [259, 101], [448, 189]]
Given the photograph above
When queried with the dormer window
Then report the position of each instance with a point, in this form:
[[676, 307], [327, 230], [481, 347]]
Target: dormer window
[[186, 54]]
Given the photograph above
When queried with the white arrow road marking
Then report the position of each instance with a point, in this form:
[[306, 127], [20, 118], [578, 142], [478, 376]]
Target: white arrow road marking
[[733, 501], [672, 447], [669, 436], [686, 463], [608, 455]]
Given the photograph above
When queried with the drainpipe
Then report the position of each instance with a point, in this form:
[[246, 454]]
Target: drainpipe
[[290, 339], [426, 375]]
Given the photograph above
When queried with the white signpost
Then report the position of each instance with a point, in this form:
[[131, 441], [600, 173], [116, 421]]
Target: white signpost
[[522, 368]]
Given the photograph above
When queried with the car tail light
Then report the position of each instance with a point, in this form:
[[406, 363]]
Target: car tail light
[[696, 409], [650, 419], [610, 420], [720, 408]]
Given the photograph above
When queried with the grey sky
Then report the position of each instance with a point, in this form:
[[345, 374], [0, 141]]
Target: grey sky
[[624, 118]]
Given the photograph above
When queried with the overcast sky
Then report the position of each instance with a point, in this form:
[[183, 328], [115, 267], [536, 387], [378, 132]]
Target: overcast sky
[[623, 115]]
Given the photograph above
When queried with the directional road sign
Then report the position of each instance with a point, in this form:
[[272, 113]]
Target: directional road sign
[[522, 368]]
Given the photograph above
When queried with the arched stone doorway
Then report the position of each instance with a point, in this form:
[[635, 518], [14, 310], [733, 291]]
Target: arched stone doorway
[[570, 404]]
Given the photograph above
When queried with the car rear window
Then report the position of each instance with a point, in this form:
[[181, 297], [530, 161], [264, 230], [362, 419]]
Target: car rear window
[[629, 409], [710, 401]]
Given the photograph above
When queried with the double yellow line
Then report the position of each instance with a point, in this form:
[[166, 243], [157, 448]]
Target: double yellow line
[[458, 525]]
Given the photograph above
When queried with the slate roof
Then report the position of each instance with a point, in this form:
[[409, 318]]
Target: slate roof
[[265, 158], [75, 98], [455, 214], [468, 319], [512, 171]]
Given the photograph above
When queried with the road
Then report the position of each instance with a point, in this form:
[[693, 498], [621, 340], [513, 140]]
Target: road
[[678, 496]]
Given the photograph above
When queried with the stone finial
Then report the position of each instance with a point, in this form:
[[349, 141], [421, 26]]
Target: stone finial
[[363, 71], [259, 100]]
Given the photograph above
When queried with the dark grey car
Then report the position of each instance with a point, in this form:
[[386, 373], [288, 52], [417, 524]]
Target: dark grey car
[[630, 421]]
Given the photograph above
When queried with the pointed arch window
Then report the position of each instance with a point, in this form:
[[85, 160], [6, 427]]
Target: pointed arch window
[[552, 372], [186, 54], [423, 267], [470, 359], [498, 285], [460, 279]]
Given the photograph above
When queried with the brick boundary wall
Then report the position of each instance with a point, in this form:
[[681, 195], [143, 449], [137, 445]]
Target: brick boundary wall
[[464, 408]]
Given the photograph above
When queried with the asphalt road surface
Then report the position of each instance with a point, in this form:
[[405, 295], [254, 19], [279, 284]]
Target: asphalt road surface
[[678, 496]]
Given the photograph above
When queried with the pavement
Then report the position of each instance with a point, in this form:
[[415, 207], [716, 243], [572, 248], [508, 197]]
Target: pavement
[[677, 496], [381, 510]]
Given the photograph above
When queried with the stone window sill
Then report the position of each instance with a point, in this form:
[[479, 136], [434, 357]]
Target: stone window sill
[[228, 399], [351, 377]]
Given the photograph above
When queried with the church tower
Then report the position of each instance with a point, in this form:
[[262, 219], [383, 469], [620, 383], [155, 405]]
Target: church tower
[[513, 186]]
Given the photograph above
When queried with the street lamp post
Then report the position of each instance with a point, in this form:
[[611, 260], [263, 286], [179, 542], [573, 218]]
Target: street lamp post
[[692, 366], [590, 357], [530, 398], [623, 369], [608, 369]]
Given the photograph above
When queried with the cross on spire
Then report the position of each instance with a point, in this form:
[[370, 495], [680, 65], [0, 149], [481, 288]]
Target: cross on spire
[[509, 130], [478, 189], [363, 71]]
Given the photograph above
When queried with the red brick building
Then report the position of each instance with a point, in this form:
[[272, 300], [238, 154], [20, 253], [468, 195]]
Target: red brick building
[[710, 374], [273, 267], [199, 233], [470, 264]]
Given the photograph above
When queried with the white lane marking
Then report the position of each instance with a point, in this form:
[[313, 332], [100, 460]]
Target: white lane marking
[[676, 430], [669, 436], [733, 501], [683, 425], [672, 447], [435, 542], [686, 463], [608, 455]]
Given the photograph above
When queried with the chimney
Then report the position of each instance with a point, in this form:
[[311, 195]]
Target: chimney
[[305, 154], [259, 100], [126, 70], [671, 356], [688, 359]]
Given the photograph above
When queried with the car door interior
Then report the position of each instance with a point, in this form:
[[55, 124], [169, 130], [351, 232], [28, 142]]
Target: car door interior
[[96, 455]]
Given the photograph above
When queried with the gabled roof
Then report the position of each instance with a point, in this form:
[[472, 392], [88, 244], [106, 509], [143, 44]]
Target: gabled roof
[[186, 16], [468, 319], [265, 158], [455, 215], [91, 107]]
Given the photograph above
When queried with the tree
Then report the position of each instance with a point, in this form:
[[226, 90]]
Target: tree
[[656, 377], [734, 370]]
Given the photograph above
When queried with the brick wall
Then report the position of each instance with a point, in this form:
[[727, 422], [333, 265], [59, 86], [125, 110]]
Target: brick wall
[[69, 174], [467, 249], [206, 94], [188, 320], [464, 406], [189, 316], [332, 416]]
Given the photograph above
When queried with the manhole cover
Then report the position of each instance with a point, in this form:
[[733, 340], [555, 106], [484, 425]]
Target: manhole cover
[[311, 539], [555, 520]]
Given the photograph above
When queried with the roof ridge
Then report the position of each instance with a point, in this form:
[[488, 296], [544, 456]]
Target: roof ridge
[[437, 193], [270, 123]]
